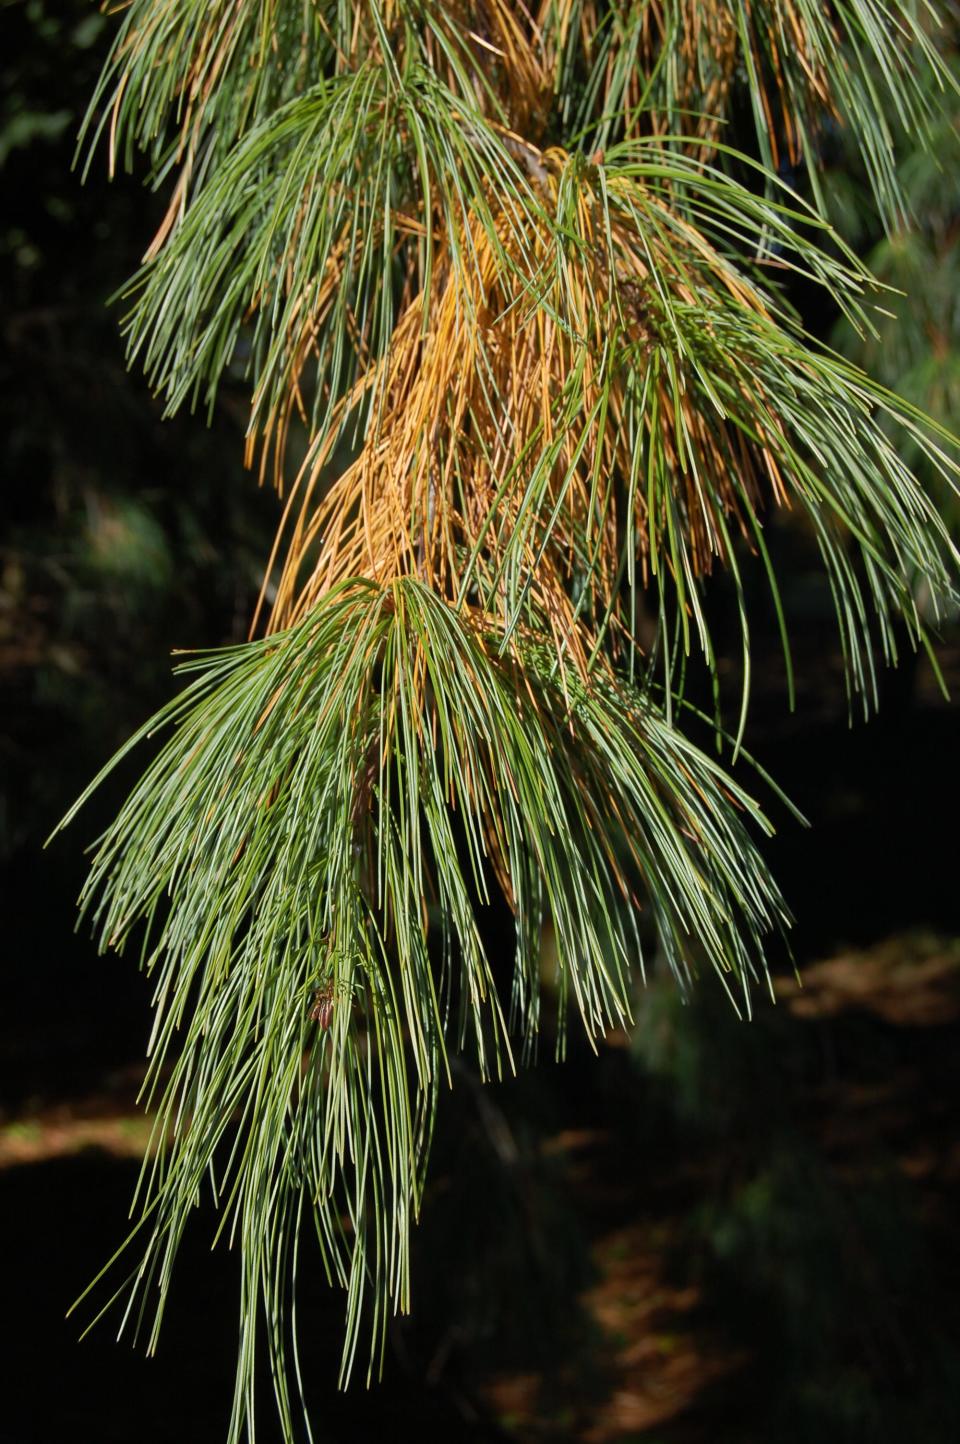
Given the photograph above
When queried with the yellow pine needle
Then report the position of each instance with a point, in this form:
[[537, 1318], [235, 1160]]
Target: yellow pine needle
[[469, 398]]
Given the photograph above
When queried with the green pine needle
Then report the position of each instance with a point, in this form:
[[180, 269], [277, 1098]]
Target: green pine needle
[[331, 812]]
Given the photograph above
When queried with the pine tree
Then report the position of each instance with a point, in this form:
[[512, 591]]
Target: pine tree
[[518, 323]]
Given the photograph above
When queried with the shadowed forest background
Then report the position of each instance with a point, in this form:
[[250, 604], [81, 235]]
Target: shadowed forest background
[[714, 1230]]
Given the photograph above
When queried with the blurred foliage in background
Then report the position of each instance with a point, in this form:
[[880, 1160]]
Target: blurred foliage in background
[[124, 537], [916, 348]]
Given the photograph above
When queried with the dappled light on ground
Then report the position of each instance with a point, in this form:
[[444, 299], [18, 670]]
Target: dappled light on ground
[[911, 982], [698, 1234], [668, 1360], [108, 1121]]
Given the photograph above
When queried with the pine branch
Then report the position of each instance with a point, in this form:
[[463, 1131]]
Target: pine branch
[[507, 261], [328, 818]]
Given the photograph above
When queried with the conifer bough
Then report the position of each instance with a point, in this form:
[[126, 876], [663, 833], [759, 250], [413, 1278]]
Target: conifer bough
[[503, 275]]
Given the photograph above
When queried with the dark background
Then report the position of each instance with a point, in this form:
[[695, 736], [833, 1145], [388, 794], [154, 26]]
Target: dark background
[[713, 1230]]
